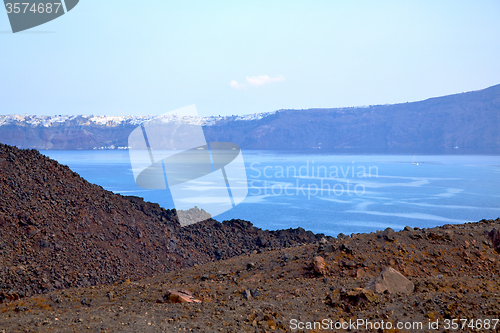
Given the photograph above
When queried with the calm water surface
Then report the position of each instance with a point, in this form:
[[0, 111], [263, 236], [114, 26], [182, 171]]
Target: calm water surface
[[332, 193]]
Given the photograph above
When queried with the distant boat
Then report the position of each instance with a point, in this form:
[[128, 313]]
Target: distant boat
[[413, 162], [456, 147]]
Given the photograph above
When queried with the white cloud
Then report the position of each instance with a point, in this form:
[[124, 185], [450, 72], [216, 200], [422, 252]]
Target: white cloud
[[239, 86], [256, 81]]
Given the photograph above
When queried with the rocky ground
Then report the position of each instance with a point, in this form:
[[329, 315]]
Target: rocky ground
[[438, 275], [58, 231]]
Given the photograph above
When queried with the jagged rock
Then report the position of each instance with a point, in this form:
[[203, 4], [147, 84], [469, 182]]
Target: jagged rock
[[248, 294], [32, 231], [392, 281], [388, 234], [262, 242]]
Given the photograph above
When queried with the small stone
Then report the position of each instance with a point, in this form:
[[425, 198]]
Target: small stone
[[32, 231], [255, 292], [21, 309], [359, 295], [86, 302], [349, 264], [360, 273], [436, 235]]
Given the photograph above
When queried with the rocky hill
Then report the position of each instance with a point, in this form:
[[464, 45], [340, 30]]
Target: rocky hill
[[468, 120], [59, 231]]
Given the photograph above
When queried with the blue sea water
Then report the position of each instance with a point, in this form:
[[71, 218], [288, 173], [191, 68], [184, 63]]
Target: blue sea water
[[333, 193]]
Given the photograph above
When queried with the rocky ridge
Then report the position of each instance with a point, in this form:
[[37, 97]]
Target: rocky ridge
[[468, 121]]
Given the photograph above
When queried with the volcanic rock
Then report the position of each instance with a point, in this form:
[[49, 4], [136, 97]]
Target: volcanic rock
[[180, 296], [392, 281], [359, 295]]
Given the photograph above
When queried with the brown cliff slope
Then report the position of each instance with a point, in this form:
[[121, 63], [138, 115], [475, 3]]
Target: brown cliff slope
[[59, 231]]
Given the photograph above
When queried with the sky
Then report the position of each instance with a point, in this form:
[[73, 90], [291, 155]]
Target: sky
[[239, 57]]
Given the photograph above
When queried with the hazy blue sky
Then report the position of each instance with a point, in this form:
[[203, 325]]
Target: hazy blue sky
[[237, 57]]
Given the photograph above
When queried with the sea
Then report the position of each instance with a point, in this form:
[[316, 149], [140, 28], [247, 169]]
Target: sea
[[331, 192]]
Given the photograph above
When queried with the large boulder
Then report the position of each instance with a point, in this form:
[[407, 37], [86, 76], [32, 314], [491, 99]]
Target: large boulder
[[392, 281]]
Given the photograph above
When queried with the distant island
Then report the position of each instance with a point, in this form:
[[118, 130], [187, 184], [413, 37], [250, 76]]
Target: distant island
[[463, 121]]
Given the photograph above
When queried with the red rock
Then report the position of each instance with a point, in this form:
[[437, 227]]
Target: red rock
[[319, 265], [180, 296]]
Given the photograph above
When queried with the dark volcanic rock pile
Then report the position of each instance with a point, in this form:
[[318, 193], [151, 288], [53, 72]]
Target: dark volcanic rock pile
[[59, 231]]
